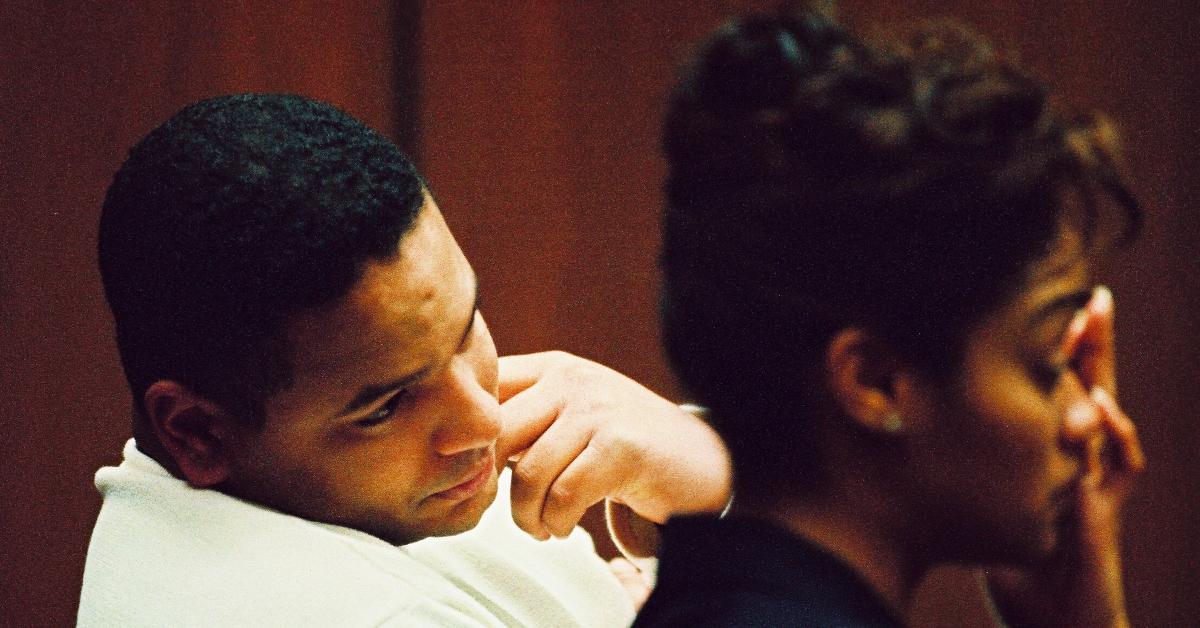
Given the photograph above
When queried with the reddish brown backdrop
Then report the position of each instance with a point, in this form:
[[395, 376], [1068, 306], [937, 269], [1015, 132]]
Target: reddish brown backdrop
[[538, 126]]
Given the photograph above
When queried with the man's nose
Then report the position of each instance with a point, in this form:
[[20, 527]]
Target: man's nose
[[472, 412]]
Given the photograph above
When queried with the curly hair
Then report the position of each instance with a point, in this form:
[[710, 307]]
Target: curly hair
[[817, 181], [235, 213]]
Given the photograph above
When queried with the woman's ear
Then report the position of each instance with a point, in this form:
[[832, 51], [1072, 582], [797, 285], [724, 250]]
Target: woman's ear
[[869, 382], [194, 431]]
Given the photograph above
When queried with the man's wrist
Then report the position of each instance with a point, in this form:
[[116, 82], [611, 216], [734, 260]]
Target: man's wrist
[[702, 413]]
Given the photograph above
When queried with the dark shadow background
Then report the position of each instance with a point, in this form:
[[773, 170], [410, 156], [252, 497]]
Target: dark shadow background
[[536, 124]]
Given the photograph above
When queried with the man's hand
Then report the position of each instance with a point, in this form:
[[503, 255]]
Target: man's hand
[[1080, 585], [576, 432]]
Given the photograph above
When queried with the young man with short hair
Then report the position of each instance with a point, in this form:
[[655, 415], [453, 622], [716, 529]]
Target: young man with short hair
[[318, 437]]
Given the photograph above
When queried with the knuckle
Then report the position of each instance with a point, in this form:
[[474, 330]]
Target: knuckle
[[572, 372], [560, 496], [574, 368], [560, 527], [559, 359], [622, 447], [525, 474]]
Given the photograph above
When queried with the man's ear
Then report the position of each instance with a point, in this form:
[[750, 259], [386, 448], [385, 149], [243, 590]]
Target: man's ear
[[194, 431], [870, 383]]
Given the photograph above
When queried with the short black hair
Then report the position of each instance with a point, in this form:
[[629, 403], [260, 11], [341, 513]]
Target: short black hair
[[818, 181], [234, 214]]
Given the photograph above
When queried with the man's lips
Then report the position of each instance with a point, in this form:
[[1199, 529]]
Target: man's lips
[[479, 474]]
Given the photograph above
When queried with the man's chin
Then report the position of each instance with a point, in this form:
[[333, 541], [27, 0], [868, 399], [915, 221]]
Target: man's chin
[[438, 520], [466, 515], [462, 516]]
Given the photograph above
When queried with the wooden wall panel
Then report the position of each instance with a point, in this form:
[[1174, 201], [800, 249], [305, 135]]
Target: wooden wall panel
[[81, 83], [540, 141]]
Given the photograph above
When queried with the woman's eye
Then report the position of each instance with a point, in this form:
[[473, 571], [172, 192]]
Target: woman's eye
[[1047, 373], [384, 412]]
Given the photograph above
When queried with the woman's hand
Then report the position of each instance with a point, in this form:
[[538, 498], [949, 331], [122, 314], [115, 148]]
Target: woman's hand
[[1080, 584]]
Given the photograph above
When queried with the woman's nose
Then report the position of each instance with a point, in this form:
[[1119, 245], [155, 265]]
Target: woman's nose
[[472, 417]]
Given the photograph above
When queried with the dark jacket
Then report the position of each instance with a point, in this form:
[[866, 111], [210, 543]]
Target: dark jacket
[[740, 572]]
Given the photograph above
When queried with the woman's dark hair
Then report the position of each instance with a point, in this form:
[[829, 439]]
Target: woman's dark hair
[[817, 181], [234, 214]]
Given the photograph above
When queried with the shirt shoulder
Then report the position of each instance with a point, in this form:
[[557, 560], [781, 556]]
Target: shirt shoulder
[[164, 553]]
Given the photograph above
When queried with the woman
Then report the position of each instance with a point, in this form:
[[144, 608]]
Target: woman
[[878, 278]]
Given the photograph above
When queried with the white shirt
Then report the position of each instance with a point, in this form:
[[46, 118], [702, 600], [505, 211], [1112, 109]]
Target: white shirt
[[166, 554]]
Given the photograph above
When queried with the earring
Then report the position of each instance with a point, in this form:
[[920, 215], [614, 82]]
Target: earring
[[893, 423]]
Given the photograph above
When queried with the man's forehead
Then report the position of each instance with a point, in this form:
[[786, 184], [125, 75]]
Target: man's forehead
[[399, 303]]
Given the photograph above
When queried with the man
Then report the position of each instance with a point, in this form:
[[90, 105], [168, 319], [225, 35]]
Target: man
[[318, 438]]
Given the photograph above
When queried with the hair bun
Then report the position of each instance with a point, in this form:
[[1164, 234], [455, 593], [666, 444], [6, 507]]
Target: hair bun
[[752, 63]]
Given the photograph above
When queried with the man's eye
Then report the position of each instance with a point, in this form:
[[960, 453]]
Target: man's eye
[[384, 412]]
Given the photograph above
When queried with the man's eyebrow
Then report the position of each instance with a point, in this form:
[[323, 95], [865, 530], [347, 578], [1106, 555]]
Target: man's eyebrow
[[369, 394], [1074, 300]]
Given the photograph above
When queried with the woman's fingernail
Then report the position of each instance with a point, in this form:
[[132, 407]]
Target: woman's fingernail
[[1102, 301], [1101, 396], [1075, 329]]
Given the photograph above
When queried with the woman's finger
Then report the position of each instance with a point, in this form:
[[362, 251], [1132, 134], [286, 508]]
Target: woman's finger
[[1096, 351], [1122, 435]]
